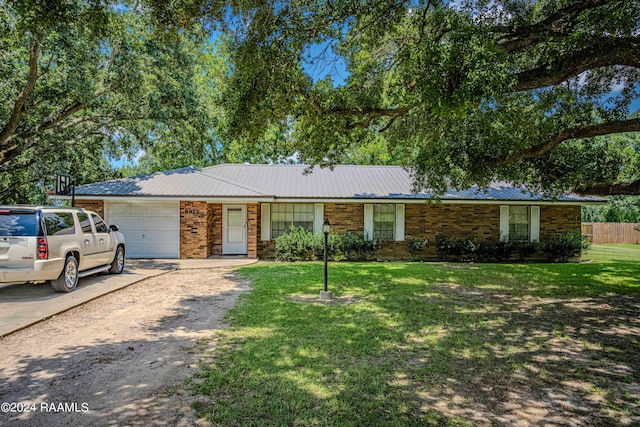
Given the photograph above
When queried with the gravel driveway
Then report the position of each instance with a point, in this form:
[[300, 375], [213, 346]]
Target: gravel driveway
[[120, 359]]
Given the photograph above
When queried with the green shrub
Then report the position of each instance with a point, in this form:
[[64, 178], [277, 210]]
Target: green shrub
[[562, 247], [297, 244], [492, 250], [417, 248], [523, 250], [486, 251], [442, 247], [455, 250], [355, 247], [333, 246]]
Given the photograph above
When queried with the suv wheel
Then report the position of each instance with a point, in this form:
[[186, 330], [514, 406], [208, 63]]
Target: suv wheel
[[68, 279], [117, 265]]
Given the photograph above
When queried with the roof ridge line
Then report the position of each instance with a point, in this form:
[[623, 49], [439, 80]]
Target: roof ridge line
[[246, 187]]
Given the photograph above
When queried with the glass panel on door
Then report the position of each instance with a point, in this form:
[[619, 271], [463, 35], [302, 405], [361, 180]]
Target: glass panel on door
[[235, 225]]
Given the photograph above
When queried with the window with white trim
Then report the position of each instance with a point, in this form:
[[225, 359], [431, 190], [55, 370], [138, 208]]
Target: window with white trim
[[284, 215], [383, 221], [519, 223]]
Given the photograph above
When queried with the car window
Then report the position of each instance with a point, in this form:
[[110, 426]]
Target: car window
[[59, 224], [85, 223], [101, 227], [18, 223]]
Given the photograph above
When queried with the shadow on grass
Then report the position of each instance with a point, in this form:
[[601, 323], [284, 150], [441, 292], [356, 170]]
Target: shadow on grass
[[432, 344]]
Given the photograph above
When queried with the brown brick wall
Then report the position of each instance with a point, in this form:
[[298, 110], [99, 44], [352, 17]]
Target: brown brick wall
[[422, 221], [215, 228], [425, 221], [194, 227], [93, 205], [558, 220], [253, 229], [345, 217]]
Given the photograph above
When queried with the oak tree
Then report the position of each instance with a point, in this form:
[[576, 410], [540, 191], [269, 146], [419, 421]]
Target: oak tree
[[80, 80], [461, 92]]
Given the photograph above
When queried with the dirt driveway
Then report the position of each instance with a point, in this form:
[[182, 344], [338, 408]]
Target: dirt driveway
[[119, 359]]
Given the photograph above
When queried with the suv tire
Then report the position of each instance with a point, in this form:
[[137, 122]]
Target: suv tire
[[68, 279], [117, 265]]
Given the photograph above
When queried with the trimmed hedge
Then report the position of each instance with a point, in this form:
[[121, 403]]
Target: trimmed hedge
[[558, 248], [297, 244]]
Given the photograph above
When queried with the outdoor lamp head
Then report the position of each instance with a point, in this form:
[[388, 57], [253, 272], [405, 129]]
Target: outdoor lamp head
[[326, 227]]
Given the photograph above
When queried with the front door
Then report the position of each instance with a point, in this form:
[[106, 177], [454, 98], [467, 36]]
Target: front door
[[234, 229]]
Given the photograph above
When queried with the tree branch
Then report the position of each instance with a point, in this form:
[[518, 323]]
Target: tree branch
[[615, 188], [7, 132], [631, 125], [600, 53], [557, 24], [372, 114]]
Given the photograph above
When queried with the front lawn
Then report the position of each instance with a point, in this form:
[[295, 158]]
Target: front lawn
[[432, 344]]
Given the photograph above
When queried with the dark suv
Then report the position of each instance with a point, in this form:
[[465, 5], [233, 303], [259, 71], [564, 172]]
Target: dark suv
[[60, 245]]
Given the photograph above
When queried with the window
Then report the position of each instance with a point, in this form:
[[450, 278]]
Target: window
[[59, 224], [383, 221], [18, 223], [85, 223], [519, 223], [101, 227], [284, 215]]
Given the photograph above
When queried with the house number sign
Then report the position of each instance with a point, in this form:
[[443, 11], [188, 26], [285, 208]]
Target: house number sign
[[191, 211]]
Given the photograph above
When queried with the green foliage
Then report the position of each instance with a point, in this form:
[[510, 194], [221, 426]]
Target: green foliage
[[298, 244], [417, 248], [563, 247], [333, 246], [108, 81], [618, 209], [558, 248], [462, 92], [356, 247]]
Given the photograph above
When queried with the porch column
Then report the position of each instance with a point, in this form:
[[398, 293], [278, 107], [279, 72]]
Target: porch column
[[253, 220]]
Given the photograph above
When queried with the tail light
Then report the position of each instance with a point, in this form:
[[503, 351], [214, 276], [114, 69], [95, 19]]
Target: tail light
[[43, 248]]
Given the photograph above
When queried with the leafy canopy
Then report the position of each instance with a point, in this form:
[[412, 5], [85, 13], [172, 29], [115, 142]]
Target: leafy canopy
[[461, 92], [83, 80]]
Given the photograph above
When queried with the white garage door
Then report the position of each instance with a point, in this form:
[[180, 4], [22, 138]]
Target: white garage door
[[151, 230]]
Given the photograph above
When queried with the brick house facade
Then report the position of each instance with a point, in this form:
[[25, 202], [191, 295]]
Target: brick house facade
[[201, 225], [241, 209]]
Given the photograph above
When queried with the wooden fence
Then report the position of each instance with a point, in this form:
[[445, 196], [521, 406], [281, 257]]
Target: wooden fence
[[612, 232]]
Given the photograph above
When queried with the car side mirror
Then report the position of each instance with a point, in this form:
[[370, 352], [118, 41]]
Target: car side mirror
[[114, 228]]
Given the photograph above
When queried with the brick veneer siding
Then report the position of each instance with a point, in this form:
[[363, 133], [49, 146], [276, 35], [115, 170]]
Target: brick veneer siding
[[253, 229], [426, 220], [215, 228], [559, 219], [345, 217], [457, 221], [194, 227], [93, 205]]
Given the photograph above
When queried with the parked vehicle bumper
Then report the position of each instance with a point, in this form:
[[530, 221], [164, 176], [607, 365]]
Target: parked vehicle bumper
[[42, 270]]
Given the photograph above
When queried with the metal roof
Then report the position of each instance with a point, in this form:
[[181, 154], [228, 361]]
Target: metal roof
[[291, 182], [183, 182]]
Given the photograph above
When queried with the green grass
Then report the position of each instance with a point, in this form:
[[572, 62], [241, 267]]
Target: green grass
[[431, 344]]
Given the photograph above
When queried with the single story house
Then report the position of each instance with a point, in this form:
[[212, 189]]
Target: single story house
[[239, 209]]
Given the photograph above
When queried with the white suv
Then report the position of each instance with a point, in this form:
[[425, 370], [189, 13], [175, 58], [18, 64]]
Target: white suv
[[60, 245]]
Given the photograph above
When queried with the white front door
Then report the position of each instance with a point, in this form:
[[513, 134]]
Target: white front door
[[234, 229]]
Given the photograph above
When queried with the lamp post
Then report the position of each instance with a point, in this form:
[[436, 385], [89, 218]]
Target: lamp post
[[326, 229]]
